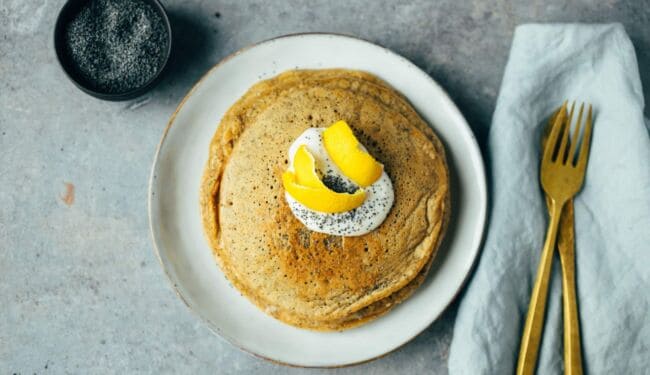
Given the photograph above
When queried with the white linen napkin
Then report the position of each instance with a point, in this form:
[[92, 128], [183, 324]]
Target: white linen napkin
[[548, 64]]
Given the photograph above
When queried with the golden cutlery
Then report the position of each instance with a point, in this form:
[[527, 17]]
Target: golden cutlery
[[562, 174], [566, 249]]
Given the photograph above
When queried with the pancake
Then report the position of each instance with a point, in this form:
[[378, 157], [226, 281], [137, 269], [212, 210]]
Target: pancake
[[368, 313], [308, 279]]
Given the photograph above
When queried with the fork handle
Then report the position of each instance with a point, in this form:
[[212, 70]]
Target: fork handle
[[532, 335], [572, 353]]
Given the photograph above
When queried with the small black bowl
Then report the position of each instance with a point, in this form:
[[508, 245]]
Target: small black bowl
[[70, 10]]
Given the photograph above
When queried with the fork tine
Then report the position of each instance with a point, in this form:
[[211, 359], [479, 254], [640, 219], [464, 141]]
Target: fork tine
[[551, 142], [574, 140], [586, 140], [561, 152]]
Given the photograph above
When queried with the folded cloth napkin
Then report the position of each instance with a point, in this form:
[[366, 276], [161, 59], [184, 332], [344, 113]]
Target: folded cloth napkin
[[548, 64]]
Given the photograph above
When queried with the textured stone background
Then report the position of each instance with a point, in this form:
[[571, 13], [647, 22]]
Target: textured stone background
[[80, 288]]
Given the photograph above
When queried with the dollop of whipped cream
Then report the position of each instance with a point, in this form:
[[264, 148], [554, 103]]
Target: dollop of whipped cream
[[356, 222]]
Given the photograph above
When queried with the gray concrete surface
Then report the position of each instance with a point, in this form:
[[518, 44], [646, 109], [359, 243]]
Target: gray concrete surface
[[80, 288]]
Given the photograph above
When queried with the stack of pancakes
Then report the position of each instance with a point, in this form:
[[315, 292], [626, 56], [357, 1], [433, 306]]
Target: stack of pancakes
[[308, 279]]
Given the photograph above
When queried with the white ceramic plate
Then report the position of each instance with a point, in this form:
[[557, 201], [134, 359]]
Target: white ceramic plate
[[184, 252]]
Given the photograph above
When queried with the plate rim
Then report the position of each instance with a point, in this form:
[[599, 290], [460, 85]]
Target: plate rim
[[484, 200]]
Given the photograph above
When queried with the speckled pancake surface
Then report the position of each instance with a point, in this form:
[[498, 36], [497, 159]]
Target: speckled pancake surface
[[310, 279]]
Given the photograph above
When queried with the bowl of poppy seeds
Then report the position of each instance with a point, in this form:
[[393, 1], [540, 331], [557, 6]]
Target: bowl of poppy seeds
[[113, 49]]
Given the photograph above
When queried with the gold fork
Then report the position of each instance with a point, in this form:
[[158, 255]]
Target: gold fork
[[566, 249], [561, 178]]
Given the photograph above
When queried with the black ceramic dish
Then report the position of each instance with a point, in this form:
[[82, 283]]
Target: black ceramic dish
[[71, 9]]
